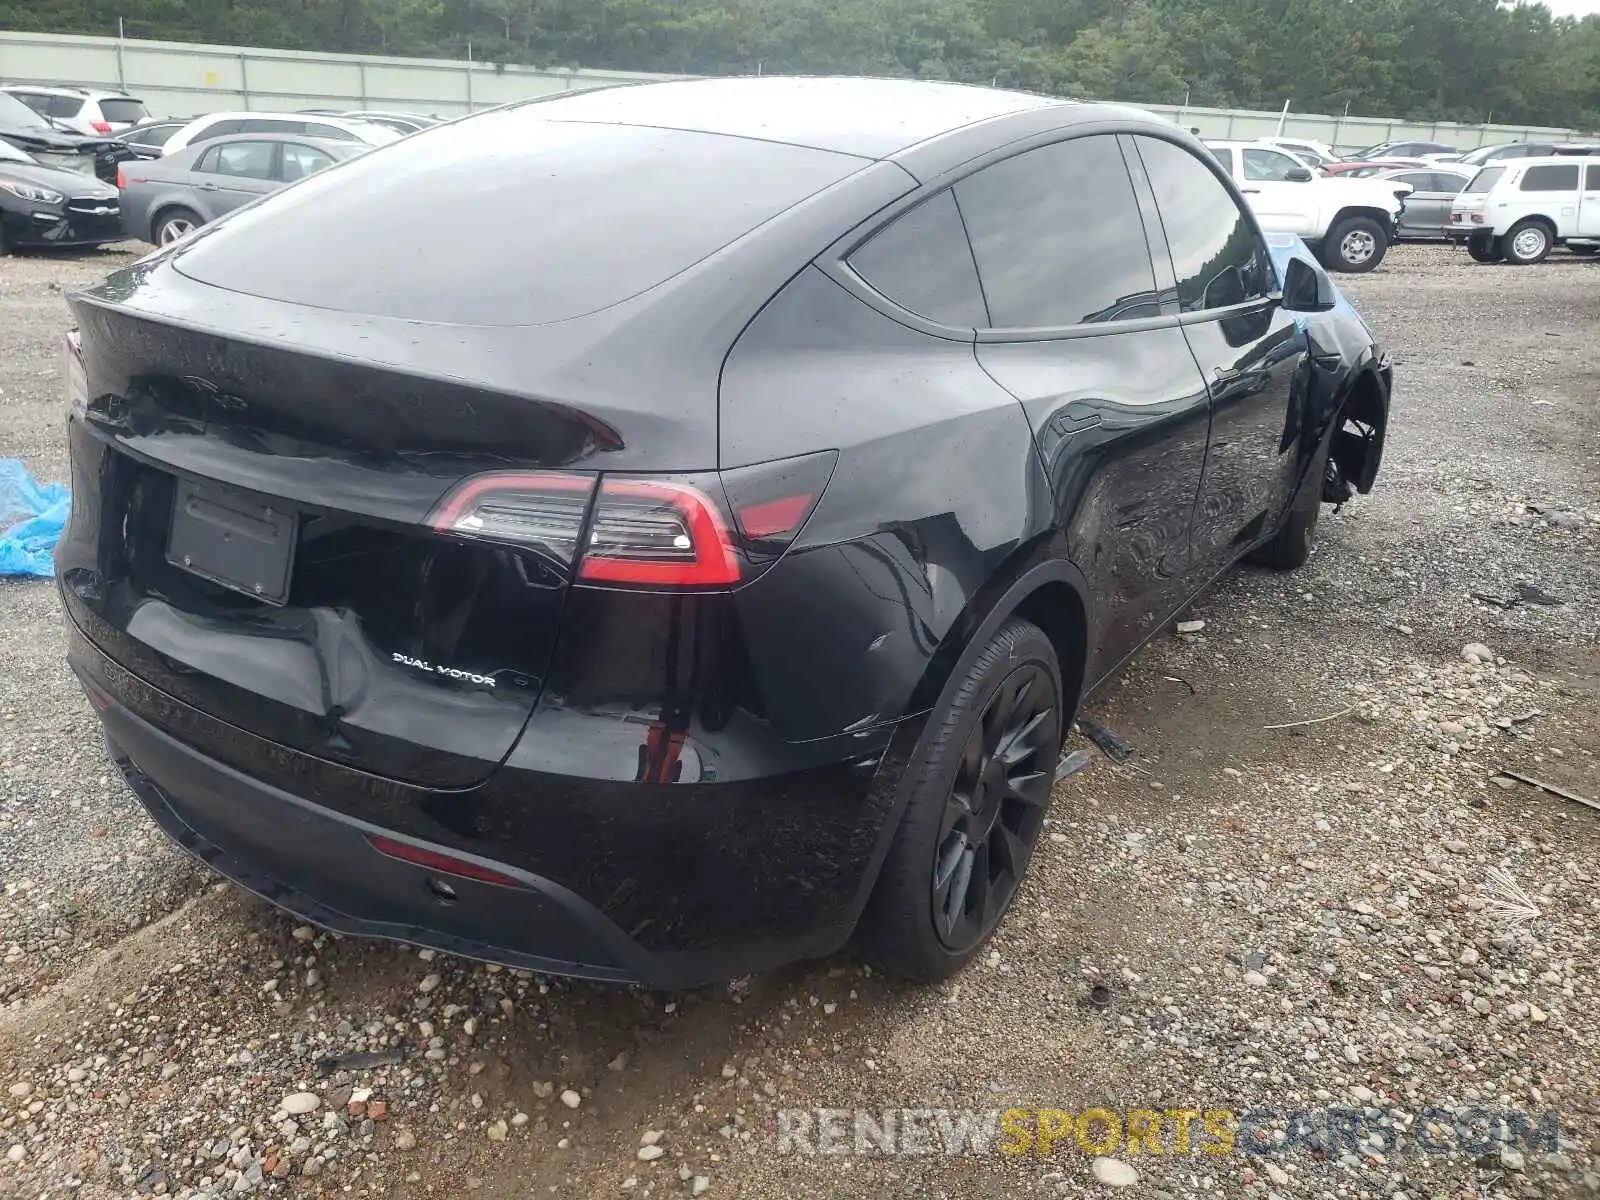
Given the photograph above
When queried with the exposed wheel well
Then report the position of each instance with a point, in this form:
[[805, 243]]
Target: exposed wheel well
[[1536, 219]]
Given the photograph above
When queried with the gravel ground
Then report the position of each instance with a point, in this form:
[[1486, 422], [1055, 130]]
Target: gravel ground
[[1359, 913]]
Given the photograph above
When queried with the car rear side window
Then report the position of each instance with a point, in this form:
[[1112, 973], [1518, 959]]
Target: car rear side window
[[1553, 177], [1591, 182], [525, 220], [1216, 253], [1057, 235], [247, 160], [300, 161], [220, 129], [1484, 180], [923, 263], [270, 125]]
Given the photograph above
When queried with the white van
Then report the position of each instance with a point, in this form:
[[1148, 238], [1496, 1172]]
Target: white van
[[1519, 210]]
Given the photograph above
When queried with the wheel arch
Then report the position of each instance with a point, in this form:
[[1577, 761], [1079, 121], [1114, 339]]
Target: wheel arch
[[165, 209], [1041, 586], [1385, 220]]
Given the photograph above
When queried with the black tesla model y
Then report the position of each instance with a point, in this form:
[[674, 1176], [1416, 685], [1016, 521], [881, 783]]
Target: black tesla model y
[[672, 531]]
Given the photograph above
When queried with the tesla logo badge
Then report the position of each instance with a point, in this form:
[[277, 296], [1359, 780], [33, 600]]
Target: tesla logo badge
[[422, 664]]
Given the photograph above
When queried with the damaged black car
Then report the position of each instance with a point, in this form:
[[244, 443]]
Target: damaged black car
[[47, 207], [52, 146], [707, 572]]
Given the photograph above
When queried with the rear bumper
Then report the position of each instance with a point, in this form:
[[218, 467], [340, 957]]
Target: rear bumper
[[667, 885], [321, 866]]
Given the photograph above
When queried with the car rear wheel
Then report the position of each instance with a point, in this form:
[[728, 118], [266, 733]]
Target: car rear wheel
[[980, 788], [1484, 249], [1354, 245], [176, 223], [1527, 242]]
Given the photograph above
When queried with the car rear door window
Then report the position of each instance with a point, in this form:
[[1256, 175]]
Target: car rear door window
[[1591, 182], [1216, 253], [300, 161], [924, 264], [1057, 235], [64, 106], [1551, 177], [247, 160], [1268, 166]]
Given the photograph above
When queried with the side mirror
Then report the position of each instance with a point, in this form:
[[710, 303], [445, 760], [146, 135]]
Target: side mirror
[[1306, 288], [1298, 175]]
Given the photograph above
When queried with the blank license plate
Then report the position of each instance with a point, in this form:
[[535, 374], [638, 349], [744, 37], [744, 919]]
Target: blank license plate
[[234, 538]]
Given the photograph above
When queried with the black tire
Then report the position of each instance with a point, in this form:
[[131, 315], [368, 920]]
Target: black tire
[[1536, 242], [978, 793], [1484, 249], [1291, 546], [166, 229], [1355, 245], [4, 248]]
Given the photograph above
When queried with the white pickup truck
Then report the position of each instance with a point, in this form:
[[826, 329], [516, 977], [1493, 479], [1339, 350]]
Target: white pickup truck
[[1348, 223]]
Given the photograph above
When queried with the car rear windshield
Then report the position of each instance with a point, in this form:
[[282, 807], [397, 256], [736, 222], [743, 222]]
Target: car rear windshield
[[123, 111], [14, 114], [506, 219], [1485, 179]]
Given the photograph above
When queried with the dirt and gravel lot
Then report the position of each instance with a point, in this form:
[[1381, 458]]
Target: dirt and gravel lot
[[1359, 914]]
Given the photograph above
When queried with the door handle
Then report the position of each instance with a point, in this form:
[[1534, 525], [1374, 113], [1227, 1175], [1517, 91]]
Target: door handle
[[208, 187], [1251, 191]]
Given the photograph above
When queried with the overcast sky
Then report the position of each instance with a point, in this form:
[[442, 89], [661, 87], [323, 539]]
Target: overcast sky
[[1573, 8]]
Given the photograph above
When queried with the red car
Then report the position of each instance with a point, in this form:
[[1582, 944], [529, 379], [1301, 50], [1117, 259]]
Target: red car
[[1358, 170]]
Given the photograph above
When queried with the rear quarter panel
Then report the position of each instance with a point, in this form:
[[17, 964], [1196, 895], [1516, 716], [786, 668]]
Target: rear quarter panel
[[937, 486]]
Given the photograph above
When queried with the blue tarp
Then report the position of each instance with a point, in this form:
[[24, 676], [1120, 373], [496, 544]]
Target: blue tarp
[[32, 517]]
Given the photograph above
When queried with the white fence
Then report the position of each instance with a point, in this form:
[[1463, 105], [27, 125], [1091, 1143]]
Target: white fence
[[179, 79]]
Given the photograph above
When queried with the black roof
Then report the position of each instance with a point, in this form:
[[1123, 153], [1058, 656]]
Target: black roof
[[869, 118]]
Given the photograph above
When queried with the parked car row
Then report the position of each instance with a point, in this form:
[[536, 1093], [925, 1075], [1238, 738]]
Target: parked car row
[[82, 167]]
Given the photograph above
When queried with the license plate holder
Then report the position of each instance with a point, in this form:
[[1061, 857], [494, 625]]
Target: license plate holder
[[233, 538]]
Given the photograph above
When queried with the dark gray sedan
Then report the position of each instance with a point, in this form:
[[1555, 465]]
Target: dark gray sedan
[[168, 198], [1433, 190]]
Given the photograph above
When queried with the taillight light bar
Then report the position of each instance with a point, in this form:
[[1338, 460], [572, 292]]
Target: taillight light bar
[[661, 532]]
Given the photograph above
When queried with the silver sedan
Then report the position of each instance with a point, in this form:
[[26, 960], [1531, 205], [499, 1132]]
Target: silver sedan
[[165, 199]]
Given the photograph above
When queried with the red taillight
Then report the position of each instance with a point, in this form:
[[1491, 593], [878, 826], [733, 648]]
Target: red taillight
[[445, 864], [655, 531], [101, 126], [644, 531], [122, 178], [647, 532]]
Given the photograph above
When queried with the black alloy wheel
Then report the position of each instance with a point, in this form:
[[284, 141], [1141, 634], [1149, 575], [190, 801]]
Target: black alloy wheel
[[995, 808], [978, 789]]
